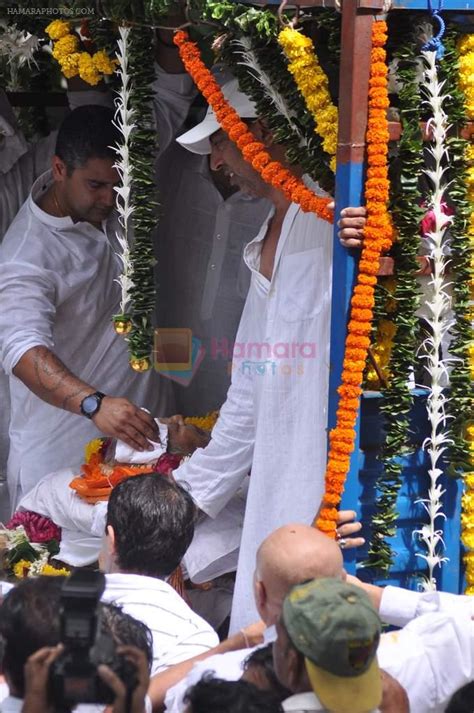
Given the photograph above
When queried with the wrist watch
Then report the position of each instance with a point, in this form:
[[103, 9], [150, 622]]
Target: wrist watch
[[91, 404]]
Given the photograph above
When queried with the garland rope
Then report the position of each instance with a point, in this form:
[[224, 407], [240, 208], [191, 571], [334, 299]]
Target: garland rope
[[439, 322], [406, 199], [254, 152], [313, 85], [142, 159], [377, 238], [124, 121]]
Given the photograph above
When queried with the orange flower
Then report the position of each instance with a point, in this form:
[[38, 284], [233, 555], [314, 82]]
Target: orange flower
[[377, 237], [253, 151]]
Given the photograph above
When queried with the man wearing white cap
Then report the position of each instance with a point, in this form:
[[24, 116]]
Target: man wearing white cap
[[274, 419]]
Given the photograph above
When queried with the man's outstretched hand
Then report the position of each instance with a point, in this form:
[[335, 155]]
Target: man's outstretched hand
[[121, 419]]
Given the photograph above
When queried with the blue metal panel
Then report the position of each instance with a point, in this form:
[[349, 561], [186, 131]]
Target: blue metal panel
[[349, 185], [456, 5], [408, 566]]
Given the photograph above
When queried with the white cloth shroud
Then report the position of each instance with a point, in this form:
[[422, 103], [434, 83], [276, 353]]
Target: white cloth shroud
[[126, 454]]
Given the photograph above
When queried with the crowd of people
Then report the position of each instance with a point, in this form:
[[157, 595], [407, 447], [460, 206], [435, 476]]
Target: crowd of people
[[296, 633]]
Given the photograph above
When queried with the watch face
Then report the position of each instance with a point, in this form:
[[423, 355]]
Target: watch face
[[90, 404]]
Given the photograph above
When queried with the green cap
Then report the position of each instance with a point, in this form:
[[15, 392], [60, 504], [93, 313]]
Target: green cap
[[336, 628]]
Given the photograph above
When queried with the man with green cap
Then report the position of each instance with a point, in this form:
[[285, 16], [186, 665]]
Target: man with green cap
[[326, 649]]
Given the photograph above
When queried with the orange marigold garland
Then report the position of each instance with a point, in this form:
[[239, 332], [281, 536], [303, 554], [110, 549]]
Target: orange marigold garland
[[254, 152], [377, 239]]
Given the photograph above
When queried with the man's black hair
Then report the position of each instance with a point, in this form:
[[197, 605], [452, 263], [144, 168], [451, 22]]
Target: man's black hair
[[262, 658], [213, 695], [153, 521], [463, 700], [86, 133], [29, 620], [126, 630]]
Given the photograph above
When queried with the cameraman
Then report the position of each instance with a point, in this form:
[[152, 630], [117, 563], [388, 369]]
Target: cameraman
[[30, 621], [37, 674]]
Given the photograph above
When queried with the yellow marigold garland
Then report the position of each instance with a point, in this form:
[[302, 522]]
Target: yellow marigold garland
[[206, 422], [466, 83], [377, 238], [254, 152], [90, 68], [313, 84], [466, 71]]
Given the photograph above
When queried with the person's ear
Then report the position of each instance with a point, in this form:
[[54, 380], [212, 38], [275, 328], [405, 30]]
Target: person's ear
[[261, 597], [262, 133], [59, 169], [110, 540]]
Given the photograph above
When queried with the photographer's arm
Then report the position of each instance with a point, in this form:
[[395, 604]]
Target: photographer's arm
[[36, 680], [160, 683], [124, 703]]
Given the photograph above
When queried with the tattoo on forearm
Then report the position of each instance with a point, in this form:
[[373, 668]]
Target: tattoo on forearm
[[50, 372]]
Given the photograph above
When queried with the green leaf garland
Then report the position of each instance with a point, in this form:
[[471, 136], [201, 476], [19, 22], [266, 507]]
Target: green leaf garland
[[142, 158], [406, 198]]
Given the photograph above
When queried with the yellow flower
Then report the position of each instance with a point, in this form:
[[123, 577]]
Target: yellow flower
[[51, 571], [102, 63], [466, 43], [467, 539], [58, 29], [469, 480], [313, 84], [469, 559], [20, 569], [66, 45], [466, 72], [206, 422], [87, 71], [92, 447], [70, 65]]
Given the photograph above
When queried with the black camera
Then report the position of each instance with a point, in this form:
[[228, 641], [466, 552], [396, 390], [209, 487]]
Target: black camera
[[87, 644]]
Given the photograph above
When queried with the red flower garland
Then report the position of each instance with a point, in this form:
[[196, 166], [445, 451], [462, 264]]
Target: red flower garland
[[254, 152]]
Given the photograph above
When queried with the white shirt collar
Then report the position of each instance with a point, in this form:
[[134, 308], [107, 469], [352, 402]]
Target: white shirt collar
[[303, 702]]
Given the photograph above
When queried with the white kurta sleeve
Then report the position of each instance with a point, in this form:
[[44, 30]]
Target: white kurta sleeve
[[27, 296], [399, 606], [432, 657], [215, 473], [174, 94]]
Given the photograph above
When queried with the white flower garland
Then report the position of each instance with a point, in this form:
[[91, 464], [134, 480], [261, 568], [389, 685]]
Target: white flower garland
[[19, 47], [249, 59], [124, 122], [438, 306]]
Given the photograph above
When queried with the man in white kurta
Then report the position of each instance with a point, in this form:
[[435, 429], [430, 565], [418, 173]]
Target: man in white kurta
[[57, 282], [273, 422]]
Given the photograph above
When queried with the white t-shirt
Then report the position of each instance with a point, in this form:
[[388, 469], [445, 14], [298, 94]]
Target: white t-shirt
[[433, 655], [178, 632]]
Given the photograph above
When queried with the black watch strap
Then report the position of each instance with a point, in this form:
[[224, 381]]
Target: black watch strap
[[90, 404]]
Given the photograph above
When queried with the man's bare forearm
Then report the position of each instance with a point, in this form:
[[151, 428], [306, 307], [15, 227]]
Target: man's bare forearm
[[49, 379]]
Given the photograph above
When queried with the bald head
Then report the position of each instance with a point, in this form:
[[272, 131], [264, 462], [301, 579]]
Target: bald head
[[291, 555]]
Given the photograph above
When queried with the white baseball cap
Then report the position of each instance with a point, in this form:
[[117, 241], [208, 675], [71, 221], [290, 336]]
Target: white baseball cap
[[196, 140]]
